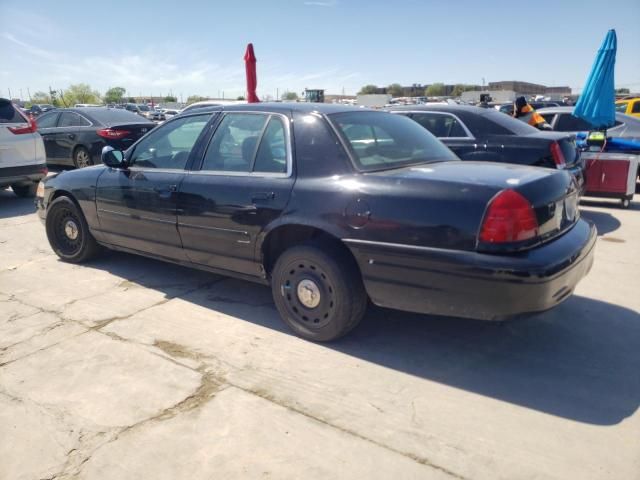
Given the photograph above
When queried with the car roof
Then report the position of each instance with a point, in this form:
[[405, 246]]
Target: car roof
[[284, 107]]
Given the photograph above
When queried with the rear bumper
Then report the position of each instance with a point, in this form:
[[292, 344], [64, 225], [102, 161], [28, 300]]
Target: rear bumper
[[22, 174], [475, 285]]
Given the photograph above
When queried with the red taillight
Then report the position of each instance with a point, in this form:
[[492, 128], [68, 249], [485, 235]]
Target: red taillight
[[112, 133], [29, 127], [509, 218], [558, 156]]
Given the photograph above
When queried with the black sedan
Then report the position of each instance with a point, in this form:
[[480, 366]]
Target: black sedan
[[485, 134], [76, 136], [299, 197]]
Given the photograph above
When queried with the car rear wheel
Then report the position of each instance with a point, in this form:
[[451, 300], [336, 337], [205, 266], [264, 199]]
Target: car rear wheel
[[24, 191], [318, 291], [68, 232], [81, 158]]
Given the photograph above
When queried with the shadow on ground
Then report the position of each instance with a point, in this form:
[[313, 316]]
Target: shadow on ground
[[13, 206], [604, 221], [579, 361]]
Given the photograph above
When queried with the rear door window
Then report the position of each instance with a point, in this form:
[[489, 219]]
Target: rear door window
[[272, 152], [440, 124], [636, 107], [70, 119], [48, 120], [234, 145]]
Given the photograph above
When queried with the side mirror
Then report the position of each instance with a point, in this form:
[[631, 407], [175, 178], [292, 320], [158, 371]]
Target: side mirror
[[112, 158]]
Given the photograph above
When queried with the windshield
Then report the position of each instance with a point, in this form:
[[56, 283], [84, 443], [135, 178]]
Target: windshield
[[380, 141], [143, 108]]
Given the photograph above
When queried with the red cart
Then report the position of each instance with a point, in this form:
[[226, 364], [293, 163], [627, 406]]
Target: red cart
[[611, 175]]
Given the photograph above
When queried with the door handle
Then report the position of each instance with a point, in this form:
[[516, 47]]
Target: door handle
[[166, 191], [71, 136], [262, 196]]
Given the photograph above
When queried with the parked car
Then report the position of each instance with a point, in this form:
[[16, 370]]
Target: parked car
[[168, 112], [329, 216], [37, 109], [629, 106], [134, 108], [484, 134], [22, 158], [561, 119], [76, 136], [156, 116], [212, 103]]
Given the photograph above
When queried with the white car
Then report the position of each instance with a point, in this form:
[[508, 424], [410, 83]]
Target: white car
[[22, 157]]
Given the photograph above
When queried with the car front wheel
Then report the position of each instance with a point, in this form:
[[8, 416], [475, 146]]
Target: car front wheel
[[318, 291], [68, 232]]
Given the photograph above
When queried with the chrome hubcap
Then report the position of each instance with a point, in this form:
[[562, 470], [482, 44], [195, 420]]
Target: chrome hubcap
[[308, 293], [71, 230]]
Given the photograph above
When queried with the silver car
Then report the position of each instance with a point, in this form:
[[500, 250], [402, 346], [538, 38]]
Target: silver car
[[562, 120], [22, 156]]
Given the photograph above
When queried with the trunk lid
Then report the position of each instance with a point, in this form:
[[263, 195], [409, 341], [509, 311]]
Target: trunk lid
[[566, 142], [552, 193]]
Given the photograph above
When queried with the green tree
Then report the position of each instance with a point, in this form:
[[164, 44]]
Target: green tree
[[80, 93], [240, 98], [458, 89], [132, 100], [290, 96], [114, 95], [170, 99], [622, 91], [395, 90], [435, 90], [368, 89], [40, 97]]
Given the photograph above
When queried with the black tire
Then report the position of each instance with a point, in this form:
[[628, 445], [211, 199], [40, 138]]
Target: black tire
[[82, 158], [25, 191], [336, 281], [68, 232]]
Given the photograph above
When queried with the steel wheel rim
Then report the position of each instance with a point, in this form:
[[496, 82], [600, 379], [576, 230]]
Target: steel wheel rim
[[68, 232], [308, 295], [82, 158]]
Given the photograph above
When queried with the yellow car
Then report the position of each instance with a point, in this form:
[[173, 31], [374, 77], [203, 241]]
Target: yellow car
[[629, 106]]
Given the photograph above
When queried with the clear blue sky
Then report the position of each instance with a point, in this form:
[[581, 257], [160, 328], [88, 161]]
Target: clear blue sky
[[196, 47]]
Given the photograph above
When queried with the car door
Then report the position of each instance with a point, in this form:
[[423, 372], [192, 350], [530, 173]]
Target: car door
[[137, 205], [244, 184], [71, 127], [47, 127], [450, 130]]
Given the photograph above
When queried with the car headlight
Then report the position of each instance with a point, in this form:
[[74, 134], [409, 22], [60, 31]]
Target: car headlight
[[40, 190]]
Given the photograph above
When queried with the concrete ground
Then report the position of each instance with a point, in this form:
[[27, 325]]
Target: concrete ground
[[129, 368]]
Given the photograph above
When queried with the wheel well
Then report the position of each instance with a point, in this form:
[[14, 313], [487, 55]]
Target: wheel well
[[287, 236], [63, 193]]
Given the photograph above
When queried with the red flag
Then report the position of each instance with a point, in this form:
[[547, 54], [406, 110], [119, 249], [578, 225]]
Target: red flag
[[252, 78]]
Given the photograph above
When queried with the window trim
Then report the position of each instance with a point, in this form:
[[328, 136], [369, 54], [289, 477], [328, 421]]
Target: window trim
[[132, 148], [469, 136], [224, 173]]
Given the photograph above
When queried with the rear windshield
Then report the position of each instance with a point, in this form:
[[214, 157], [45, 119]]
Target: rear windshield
[[112, 116], [381, 141], [8, 114]]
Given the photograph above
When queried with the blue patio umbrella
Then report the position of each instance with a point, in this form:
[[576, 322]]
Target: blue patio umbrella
[[596, 104]]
